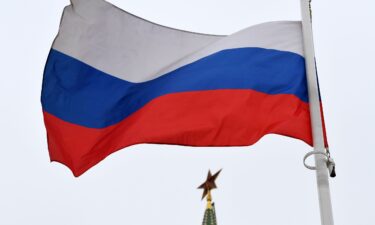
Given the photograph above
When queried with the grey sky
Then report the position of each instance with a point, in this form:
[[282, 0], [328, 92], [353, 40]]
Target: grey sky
[[262, 184]]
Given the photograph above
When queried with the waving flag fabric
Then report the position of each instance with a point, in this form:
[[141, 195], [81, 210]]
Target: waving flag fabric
[[113, 80]]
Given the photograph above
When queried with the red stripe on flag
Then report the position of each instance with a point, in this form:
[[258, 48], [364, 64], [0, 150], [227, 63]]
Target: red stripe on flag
[[200, 118]]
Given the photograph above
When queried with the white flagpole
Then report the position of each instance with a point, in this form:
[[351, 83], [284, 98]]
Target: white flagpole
[[316, 120]]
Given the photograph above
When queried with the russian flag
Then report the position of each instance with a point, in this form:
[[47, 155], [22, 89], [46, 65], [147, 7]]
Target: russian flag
[[113, 80]]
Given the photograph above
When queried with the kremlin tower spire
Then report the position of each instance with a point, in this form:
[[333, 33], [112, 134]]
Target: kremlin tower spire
[[210, 214]]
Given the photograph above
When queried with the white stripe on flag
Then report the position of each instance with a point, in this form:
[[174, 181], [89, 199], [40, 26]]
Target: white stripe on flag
[[130, 48]]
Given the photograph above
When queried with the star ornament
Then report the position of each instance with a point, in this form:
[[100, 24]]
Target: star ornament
[[209, 184]]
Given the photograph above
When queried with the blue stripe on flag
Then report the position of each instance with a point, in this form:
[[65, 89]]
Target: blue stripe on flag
[[80, 94]]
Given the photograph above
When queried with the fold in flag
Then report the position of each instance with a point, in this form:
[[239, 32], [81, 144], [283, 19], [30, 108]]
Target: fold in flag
[[113, 80]]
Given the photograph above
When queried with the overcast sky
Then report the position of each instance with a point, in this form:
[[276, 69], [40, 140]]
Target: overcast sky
[[156, 184]]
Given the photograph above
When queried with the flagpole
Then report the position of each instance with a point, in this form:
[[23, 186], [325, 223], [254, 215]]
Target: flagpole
[[315, 114]]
